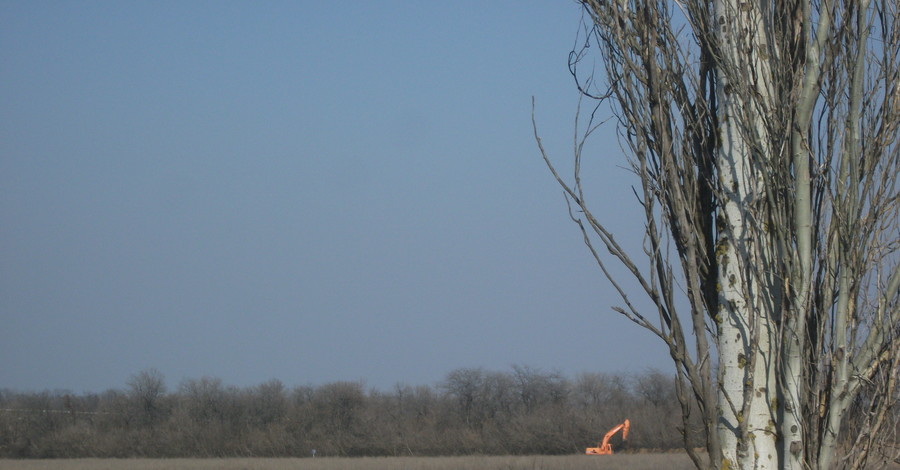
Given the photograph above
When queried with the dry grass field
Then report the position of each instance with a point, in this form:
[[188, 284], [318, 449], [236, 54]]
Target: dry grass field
[[566, 462]]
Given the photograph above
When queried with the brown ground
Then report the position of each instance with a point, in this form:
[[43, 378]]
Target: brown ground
[[674, 461], [569, 462]]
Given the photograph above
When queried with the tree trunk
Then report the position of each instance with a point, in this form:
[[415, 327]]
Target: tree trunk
[[747, 300]]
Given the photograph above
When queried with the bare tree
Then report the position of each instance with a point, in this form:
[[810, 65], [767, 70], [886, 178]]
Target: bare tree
[[536, 388], [466, 386], [764, 136], [147, 389]]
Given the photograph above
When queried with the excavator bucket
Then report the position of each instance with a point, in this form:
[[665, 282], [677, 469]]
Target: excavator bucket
[[597, 451]]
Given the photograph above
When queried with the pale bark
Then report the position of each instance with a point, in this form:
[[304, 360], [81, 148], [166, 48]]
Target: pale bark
[[746, 331], [794, 338]]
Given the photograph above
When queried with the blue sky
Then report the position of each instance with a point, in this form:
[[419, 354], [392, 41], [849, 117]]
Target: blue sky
[[307, 191]]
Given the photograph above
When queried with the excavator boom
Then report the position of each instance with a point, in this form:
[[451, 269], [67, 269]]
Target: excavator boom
[[604, 447]]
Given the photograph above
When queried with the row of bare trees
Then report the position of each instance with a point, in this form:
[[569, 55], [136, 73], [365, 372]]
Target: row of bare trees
[[472, 411]]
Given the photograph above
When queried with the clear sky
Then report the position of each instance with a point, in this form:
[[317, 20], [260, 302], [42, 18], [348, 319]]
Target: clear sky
[[307, 191]]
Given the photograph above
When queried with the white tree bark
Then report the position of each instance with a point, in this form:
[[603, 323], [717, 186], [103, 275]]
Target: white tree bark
[[794, 338], [746, 339], [843, 383], [745, 335]]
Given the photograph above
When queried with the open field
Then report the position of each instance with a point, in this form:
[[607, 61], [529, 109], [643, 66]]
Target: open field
[[674, 461], [564, 462]]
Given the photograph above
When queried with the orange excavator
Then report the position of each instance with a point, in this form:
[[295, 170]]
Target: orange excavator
[[605, 448]]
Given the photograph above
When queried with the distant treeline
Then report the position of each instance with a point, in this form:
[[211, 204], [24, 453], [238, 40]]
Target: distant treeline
[[472, 411]]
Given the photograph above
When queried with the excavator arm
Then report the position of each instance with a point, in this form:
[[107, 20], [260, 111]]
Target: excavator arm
[[604, 447]]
